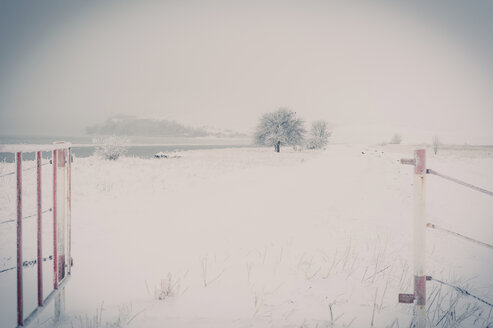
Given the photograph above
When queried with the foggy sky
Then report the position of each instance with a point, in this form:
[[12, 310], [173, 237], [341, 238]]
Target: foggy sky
[[410, 66]]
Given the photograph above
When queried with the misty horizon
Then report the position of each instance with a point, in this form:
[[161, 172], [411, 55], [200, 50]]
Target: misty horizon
[[417, 69]]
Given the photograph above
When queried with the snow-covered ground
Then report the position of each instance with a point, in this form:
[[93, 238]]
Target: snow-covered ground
[[251, 238]]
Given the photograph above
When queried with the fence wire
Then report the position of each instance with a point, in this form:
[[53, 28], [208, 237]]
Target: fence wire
[[7, 174], [24, 169], [28, 263], [434, 226], [462, 291], [465, 184], [26, 217]]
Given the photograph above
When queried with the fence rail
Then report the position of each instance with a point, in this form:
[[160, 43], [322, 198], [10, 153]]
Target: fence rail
[[34, 148]]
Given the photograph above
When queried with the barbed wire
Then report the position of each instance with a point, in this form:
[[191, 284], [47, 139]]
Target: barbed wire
[[26, 217], [8, 269], [462, 291], [7, 174], [28, 263], [465, 184], [24, 169]]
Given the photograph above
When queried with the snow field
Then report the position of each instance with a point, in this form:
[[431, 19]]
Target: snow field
[[251, 238]]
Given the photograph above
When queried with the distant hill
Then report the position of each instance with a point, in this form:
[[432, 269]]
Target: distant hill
[[134, 126]]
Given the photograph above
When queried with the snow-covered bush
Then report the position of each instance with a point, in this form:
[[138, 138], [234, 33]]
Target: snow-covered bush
[[396, 139], [110, 147], [319, 135]]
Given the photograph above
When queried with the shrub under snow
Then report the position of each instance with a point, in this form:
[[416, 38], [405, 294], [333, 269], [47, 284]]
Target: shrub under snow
[[319, 135], [110, 147]]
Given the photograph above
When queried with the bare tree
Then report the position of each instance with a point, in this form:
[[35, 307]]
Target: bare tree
[[319, 135], [436, 144], [280, 128]]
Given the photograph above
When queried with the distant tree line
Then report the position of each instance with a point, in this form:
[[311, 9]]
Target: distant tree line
[[124, 125], [132, 126]]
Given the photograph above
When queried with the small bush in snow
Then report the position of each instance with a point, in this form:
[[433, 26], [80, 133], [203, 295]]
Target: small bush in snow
[[436, 144], [319, 135], [110, 147], [396, 139]]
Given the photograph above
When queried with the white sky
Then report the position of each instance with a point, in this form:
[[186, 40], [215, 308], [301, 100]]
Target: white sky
[[362, 67]]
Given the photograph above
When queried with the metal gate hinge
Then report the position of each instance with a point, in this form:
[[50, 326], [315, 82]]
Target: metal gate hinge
[[406, 298], [408, 161]]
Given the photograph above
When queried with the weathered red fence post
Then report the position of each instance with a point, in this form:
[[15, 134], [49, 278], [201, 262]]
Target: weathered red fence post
[[55, 244], [60, 226], [419, 239], [20, 306], [40, 227], [69, 209], [61, 212], [419, 236]]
